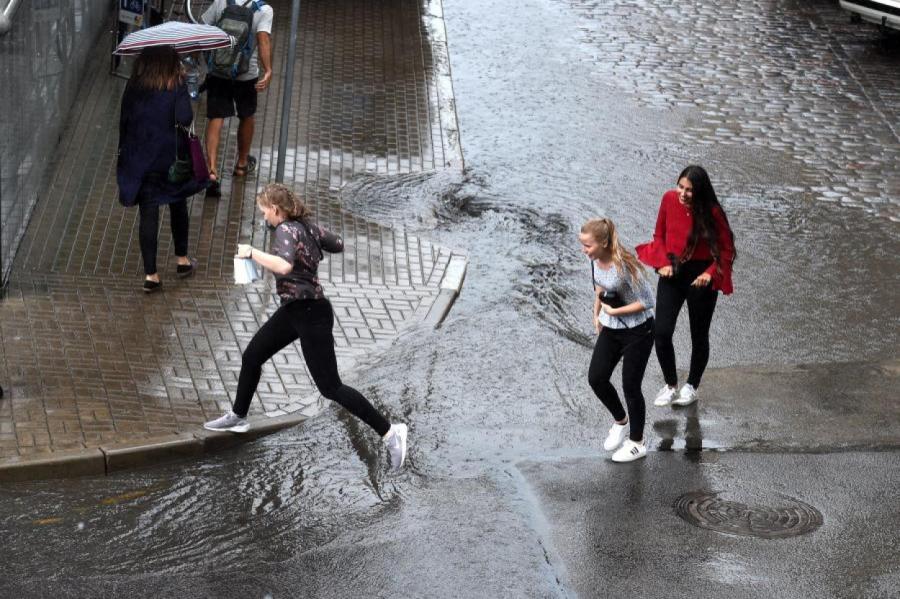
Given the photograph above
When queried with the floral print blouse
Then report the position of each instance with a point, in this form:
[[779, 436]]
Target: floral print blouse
[[301, 244]]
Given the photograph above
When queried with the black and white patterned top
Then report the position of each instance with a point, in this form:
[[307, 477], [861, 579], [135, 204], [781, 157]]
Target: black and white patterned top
[[612, 280], [301, 244]]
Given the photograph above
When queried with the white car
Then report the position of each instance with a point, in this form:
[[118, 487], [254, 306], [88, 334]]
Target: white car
[[882, 12]]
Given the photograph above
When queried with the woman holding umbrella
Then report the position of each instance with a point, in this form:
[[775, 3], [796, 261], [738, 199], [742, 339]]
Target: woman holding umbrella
[[155, 103]]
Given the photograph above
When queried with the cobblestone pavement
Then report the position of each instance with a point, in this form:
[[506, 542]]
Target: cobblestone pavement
[[792, 83], [88, 360]]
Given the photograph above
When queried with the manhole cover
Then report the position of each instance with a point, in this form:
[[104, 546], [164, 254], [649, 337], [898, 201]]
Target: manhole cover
[[706, 510]]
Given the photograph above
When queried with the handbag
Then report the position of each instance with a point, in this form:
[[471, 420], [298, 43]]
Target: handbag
[[198, 160], [182, 169]]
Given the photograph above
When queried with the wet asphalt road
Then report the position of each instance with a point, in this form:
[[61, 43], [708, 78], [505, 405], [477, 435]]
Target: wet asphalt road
[[572, 109]]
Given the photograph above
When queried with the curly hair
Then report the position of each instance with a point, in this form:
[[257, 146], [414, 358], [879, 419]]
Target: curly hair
[[284, 199]]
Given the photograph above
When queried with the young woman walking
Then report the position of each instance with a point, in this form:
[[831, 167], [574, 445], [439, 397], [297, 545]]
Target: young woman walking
[[692, 250], [305, 314], [156, 101], [623, 317]]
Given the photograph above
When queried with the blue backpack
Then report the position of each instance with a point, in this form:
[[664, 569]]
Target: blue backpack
[[236, 21]]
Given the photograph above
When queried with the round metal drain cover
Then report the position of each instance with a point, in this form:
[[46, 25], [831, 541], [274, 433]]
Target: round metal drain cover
[[706, 510]]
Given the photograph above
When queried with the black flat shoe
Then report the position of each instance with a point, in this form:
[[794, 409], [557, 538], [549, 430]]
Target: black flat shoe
[[186, 270], [215, 188], [151, 286]]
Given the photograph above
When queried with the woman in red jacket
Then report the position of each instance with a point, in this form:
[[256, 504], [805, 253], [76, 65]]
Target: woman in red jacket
[[692, 250]]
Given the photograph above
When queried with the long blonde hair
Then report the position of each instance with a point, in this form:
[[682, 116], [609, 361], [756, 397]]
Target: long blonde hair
[[281, 197], [604, 232]]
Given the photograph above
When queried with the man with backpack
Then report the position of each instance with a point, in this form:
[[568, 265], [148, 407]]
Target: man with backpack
[[234, 78]]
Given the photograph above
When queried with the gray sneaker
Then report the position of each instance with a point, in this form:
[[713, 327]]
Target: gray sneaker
[[229, 422], [395, 439]]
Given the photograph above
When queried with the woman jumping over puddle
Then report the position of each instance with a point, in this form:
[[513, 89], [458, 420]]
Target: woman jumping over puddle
[[623, 317], [692, 250], [305, 314]]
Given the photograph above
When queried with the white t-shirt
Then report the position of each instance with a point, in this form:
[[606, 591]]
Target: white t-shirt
[[262, 22]]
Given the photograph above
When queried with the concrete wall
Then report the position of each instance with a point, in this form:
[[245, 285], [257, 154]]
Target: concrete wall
[[42, 59]]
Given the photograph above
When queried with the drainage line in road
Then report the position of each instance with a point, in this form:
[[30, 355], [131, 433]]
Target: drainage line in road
[[542, 528]]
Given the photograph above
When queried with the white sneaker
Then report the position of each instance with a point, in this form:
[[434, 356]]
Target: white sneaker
[[616, 435], [629, 452], [686, 396], [229, 422], [665, 396], [395, 439]]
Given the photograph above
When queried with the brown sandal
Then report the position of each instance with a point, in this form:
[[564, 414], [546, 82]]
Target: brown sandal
[[243, 171]]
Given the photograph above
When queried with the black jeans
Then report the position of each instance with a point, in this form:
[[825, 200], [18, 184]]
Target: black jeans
[[310, 321], [671, 293], [633, 347], [149, 228]]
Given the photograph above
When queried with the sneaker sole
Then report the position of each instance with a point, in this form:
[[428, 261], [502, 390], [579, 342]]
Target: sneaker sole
[[684, 403], [234, 429], [629, 459]]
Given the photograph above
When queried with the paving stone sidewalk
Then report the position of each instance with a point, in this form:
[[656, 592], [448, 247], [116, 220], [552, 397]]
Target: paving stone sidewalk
[[89, 361]]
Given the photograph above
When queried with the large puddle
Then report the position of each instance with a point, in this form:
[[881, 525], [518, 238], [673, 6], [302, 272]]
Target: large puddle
[[568, 110]]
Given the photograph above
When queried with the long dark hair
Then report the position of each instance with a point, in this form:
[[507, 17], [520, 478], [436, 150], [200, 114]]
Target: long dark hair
[[703, 201], [157, 68]]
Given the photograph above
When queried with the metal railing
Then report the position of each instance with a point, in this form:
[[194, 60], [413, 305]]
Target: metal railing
[[7, 15]]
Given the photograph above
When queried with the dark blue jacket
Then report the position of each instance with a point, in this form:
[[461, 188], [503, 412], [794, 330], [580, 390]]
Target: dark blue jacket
[[147, 144]]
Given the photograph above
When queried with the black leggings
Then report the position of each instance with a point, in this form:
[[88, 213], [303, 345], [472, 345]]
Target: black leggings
[[671, 294], [311, 321], [149, 228], [633, 347]]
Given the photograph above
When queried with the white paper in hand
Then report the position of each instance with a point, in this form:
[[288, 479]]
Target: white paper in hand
[[245, 271]]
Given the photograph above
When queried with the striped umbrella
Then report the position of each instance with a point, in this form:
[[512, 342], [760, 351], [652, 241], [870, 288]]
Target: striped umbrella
[[185, 37]]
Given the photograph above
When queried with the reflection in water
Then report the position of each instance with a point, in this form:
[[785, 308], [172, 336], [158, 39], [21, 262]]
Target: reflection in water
[[693, 436], [667, 431]]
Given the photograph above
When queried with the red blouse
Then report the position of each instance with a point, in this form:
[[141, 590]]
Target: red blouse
[[673, 227]]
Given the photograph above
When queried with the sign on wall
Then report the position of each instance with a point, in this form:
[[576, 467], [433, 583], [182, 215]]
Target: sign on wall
[[132, 12]]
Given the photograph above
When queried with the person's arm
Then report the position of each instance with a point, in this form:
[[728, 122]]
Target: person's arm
[[284, 247], [125, 111], [596, 310], [330, 242], [659, 233], [726, 251], [184, 113], [211, 14], [724, 241], [264, 43], [659, 237], [276, 264], [645, 299], [632, 308]]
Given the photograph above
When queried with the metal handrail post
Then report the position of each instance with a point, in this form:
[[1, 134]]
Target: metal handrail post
[[286, 95], [7, 15]]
